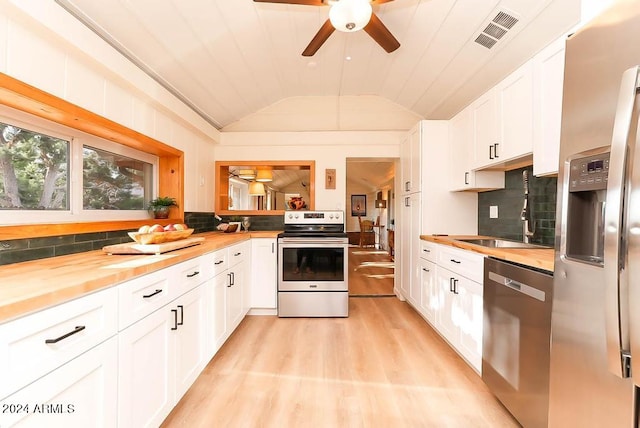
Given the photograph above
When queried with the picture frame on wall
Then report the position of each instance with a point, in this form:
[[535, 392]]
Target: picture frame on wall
[[359, 205]]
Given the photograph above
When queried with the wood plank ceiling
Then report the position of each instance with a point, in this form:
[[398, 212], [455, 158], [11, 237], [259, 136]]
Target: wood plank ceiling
[[229, 59]]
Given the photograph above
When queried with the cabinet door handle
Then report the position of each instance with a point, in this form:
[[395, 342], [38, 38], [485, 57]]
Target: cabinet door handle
[[219, 262], [491, 152], [425, 269], [495, 150], [466, 178], [426, 250], [193, 274], [455, 286], [181, 315], [78, 329], [407, 186], [273, 246], [237, 254], [175, 319], [456, 261], [230, 283], [147, 296], [407, 202], [233, 278]]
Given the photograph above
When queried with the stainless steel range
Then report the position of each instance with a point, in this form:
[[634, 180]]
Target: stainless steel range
[[312, 265]]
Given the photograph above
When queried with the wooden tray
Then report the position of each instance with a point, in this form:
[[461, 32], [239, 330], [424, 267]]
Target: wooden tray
[[135, 248]]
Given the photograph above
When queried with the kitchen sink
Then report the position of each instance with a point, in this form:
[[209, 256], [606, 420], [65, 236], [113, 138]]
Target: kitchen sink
[[501, 243]]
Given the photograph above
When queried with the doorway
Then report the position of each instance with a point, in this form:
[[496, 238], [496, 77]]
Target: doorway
[[370, 196]]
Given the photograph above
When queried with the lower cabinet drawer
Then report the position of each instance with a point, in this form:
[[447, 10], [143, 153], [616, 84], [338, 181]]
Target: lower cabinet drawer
[[141, 296], [36, 344], [82, 393]]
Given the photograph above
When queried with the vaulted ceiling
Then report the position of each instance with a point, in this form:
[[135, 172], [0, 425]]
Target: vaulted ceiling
[[232, 60]]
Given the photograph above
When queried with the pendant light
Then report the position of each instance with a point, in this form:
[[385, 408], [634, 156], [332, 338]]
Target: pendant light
[[264, 176], [256, 189], [246, 174]]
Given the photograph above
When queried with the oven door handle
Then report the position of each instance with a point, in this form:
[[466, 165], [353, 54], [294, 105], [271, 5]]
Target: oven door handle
[[312, 241]]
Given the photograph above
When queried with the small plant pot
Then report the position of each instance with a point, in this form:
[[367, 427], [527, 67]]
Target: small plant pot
[[161, 212]]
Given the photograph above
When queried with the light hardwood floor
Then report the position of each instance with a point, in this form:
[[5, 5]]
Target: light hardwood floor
[[370, 272], [381, 367]]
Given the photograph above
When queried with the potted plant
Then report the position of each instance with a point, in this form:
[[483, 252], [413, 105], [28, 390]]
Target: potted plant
[[160, 206]]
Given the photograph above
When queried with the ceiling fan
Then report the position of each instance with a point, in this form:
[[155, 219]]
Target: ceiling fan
[[347, 16]]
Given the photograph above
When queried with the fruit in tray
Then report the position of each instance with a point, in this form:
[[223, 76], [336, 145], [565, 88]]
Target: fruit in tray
[[156, 234]]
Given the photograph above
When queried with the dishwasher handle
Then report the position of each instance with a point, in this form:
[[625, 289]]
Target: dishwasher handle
[[517, 286]]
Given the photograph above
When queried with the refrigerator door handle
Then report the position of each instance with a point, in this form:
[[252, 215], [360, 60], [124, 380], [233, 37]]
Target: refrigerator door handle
[[616, 313]]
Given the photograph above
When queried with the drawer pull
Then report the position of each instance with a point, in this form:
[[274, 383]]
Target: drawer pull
[[219, 262], [147, 296], [78, 329], [426, 250], [181, 315], [456, 261], [237, 254], [425, 269], [175, 319], [193, 274]]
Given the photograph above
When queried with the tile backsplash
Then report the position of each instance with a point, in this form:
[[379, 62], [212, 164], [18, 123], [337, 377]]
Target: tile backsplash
[[542, 200]]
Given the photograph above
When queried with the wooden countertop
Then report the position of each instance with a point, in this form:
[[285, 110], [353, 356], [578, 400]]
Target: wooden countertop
[[542, 258], [34, 285]]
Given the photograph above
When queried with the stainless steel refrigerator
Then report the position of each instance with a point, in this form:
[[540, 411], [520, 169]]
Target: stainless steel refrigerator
[[595, 324]]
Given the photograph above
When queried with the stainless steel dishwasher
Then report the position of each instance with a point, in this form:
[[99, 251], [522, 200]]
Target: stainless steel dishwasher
[[516, 339]]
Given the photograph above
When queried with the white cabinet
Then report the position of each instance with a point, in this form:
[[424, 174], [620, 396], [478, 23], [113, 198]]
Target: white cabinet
[[81, 393], [34, 345], [264, 275], [459, 316], [548, 81], [189, 339], [515, 109], [462, 159], [484, 114], [410, 160], [238, 287], [159, 358], [146, 371], [429, 294], [409, 247], [217, 300]]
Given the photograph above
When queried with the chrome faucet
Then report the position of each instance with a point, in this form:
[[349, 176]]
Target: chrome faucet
[[525, 216]]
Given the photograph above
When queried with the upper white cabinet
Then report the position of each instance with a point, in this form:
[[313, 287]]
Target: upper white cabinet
[[484, 117], [548, 80], [503, 120], [515, 113], [462, 156], [411, 160]]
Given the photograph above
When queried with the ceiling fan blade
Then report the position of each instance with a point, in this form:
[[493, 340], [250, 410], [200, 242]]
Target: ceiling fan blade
[[381, 34], [321, 36], [374, 2], [302, 2]]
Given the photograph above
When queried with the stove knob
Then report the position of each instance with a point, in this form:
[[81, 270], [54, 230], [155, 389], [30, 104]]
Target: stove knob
[[331, 216], [296, 216], [290, 215]]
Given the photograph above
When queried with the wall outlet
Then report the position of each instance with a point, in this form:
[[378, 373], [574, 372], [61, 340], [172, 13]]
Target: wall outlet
[[493, 211]]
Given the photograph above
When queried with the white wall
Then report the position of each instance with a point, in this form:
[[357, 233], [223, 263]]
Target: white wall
[[44, 46], [330, 150]]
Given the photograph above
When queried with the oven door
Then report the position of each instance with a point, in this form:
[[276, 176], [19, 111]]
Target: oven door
[[312, 264]]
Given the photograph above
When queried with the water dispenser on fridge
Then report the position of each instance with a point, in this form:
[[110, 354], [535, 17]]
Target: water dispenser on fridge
[[586, 207]]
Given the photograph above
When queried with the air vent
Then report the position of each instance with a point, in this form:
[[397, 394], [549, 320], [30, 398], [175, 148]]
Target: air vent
[[486, 41], [496, 29]]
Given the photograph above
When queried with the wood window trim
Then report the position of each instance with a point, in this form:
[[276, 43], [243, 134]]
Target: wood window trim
[[222, 184], [29, 99]]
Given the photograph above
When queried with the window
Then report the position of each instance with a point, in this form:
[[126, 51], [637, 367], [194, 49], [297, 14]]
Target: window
[[51, 173], [33, 170]]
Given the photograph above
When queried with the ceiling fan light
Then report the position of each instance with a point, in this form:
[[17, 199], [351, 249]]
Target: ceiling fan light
[[246, 174], [350, 15], [264, 176]]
